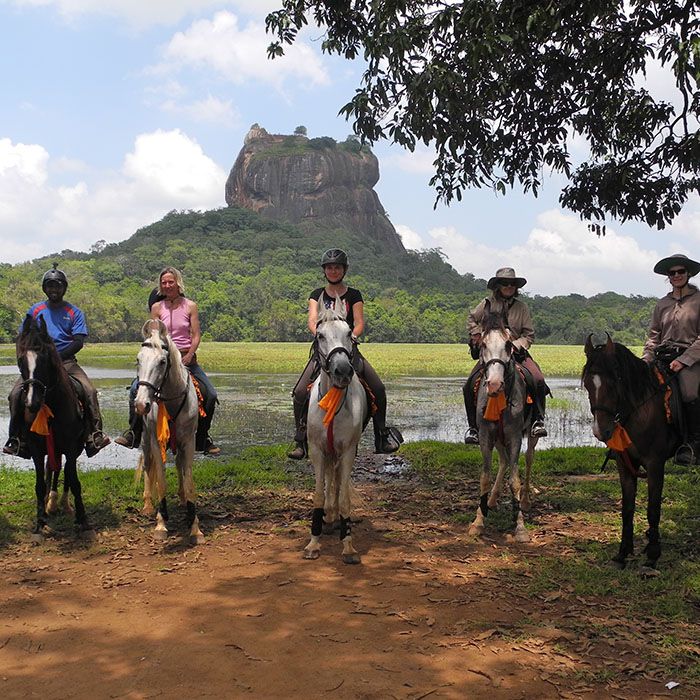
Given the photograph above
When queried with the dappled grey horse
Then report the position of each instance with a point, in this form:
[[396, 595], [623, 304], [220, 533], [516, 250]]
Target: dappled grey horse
[[167, 401], [503, 420], [337, 416]]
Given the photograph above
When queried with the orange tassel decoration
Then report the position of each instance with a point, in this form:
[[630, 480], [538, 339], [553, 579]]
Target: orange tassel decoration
[[620, 439], [163, 429], [495, 406], [40, 425], [330, 402]]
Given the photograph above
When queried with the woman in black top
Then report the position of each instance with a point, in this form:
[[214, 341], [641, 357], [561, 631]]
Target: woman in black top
[[335, 264]]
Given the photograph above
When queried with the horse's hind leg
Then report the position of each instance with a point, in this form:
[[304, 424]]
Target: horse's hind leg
[[71, 478], [529, 459], [185, 456], [628, 483], [52, 488], [655, 483], [521, 533], [350, 554]]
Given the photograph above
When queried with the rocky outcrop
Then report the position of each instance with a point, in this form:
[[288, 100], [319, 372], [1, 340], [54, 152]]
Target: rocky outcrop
[[314, 182]]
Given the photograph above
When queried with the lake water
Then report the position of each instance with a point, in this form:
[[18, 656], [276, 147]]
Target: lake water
[[256, 409]]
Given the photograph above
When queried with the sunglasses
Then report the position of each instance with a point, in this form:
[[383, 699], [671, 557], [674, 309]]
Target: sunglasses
[[679, 271], [506, 284]]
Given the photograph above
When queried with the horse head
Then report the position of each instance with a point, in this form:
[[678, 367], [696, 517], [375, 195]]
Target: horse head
[[153, 363], [602, 381], [334, 343], [496, 352]]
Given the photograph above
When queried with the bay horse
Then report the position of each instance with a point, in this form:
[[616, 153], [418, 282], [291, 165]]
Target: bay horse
[[52, 410], [167, 401], [338, 413], [628, 405], [502, 420]]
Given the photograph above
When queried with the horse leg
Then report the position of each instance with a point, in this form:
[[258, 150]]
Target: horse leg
[[70, 476], [344, 468], [40, 491], [504, 460], [313, 548], [520, 534], [148, 485], [185, 456], [655, 484], [529, 459], [52, 487], [628, 483], [477, 526]]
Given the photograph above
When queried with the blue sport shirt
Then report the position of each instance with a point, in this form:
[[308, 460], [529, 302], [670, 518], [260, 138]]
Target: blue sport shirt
[[62, 323]]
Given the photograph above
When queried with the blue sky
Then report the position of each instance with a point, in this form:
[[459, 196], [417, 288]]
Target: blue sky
[[117, 111]]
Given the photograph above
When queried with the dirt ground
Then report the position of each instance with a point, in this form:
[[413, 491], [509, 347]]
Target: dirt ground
[[430, 612]]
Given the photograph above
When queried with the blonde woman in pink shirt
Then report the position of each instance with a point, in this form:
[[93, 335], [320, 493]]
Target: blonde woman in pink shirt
[[181, 317]]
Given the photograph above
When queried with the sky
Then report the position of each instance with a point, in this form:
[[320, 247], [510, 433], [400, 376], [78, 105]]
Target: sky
[[115, 112]]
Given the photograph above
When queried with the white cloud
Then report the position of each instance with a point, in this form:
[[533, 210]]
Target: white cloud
[[210, 110], [419, 162], [144, 13], [166, 170], [559, 256], [411, 240], [239, 54]]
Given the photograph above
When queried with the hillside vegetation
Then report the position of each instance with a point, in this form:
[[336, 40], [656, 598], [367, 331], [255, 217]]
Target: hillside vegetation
[[251, 278]]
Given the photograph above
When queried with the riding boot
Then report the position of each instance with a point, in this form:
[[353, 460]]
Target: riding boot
[[300, 412], [537, 429], [689, 452], [471, 437], [95, 439], [132, 436], [386, 440]]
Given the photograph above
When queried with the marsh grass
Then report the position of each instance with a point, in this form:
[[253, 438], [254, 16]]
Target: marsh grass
[[389, 359]]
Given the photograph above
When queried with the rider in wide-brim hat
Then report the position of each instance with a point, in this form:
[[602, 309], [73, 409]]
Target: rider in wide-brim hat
[[677, 259], [506, 275], [674, 342]]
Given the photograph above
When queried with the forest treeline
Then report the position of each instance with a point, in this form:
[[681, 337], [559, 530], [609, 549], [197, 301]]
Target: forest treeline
[[251, 279]]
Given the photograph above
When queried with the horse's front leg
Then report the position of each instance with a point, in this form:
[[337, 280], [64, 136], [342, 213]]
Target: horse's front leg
[[344, 468], [155, 473], [520, 534], [655, 484], [70, 475], [184, 459], [313, 548], [41, 525], [628, 483], [504, 459], [477, 526]]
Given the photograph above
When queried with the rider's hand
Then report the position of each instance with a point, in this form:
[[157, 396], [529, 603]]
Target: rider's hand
[[187, 358], [519, 354], [676, 366], [354, 339]]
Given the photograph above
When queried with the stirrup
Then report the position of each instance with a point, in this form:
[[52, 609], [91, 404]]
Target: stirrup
[[12, 446], [387, 441], [471, 437], [127, 439], [537, 429], [685, 455]]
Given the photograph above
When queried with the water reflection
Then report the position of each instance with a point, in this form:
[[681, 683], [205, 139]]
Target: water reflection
[[256, 409]]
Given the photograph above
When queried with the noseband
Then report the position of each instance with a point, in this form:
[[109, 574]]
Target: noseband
[[326, 359]]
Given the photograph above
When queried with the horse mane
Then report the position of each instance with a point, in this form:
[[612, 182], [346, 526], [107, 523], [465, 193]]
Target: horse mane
[[636, 377], [493, 322], [31, 339], [329, 313]]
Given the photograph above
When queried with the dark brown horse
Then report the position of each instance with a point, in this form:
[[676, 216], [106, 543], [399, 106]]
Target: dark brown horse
[[50, 404], [629, 414]]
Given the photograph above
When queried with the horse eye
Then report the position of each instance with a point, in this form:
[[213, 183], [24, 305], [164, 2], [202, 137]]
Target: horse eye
[[320, 336]]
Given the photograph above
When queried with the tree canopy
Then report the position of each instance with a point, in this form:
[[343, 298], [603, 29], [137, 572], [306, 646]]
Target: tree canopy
[[501, 89]]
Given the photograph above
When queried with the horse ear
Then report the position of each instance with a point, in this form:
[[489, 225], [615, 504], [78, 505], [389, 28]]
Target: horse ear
[[609, 345], [148, 328], [588, 347], [162, 330], [27, 323], [42, 327]]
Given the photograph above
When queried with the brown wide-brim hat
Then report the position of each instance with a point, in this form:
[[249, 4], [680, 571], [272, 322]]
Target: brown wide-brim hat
[[665, 264], [506, 274]]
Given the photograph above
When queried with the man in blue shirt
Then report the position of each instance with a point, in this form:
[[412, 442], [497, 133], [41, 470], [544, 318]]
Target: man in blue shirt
[[66, 325]]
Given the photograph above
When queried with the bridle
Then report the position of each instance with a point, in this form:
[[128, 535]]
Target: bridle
[[157, 390], [325, 359]]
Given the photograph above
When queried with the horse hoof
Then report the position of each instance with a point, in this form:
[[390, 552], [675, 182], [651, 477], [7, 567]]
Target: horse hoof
[[88, 534], [160, 535], [37, 537], [475, 531], [52, 503], [148, 511], [351, 558], [618, 563], [649, 570], [522, 537], [197, 539], [311, 553]]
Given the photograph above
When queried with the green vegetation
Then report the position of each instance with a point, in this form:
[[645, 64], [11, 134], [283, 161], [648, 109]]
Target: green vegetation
[[389, 359], [252, 277]]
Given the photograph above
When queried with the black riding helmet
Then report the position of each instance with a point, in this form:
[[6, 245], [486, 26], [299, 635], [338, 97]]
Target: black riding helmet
[[54, 275], [335, 256]]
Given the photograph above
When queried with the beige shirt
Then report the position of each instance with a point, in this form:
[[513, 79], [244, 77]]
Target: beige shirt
[[676, 322], [517, 317]]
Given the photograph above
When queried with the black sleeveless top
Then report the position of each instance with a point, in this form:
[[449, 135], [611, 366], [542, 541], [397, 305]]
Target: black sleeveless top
[[351, 297]]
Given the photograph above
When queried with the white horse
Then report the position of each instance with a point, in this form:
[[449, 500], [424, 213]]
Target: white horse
[[337, 415], [502, 422], [167, 400]]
